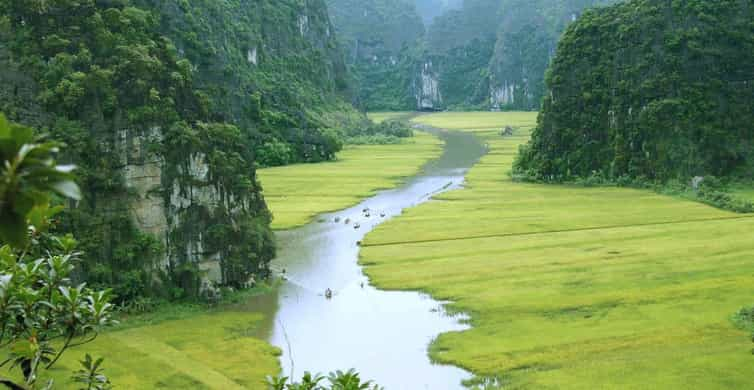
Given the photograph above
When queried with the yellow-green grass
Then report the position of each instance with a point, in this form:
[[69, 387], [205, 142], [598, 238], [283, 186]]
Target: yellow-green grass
[[204, 351], [571, 287], [379, 117], [481, 120], [297, 193]]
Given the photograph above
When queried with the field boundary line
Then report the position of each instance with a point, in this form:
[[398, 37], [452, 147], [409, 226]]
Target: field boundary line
[[607, 227]]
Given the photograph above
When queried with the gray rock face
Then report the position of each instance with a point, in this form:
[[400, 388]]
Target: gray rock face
[[427, 87], [502, 95], [143, 173], [696, 182], [527, 36]]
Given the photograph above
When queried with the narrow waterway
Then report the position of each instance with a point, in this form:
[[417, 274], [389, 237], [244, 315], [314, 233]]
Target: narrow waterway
[[382, 334]]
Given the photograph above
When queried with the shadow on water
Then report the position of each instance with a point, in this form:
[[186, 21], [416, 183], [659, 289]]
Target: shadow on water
[[382, 334]]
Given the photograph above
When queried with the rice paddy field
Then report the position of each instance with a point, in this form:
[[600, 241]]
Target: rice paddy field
[[573, 287], [298, 193], [217, 350]]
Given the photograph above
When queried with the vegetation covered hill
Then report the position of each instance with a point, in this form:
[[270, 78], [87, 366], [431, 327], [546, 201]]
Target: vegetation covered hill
[[168, 107], [528, 32], [474, 54], [651, 91], [430, 9], [460, 43], [380, 38], [269, 67]]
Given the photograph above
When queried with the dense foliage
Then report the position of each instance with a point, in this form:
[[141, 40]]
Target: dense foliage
[[483, 53], [460, 44], [42, 312], [264, 66], [119, 95], [338, 380], [380, 39], [387, 132], [528, 32], [430, 9], [651, 91]]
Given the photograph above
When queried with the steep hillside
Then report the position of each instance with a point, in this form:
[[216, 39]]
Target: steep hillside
[[474, 54], [650, 90], [430, 9], [527, 37], [380, 38], [163, 106], [460, 44], [267, 66]]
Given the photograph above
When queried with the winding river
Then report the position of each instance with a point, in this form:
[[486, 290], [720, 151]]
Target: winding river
[[382, 334]]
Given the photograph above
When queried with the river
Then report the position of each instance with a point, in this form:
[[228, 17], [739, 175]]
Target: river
[[382, 334]]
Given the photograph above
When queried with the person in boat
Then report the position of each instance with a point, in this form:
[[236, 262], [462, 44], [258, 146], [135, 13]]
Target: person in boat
[[328, 293]]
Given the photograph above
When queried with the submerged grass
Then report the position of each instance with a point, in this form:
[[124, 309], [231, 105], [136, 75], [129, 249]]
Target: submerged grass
[[573, 287], [297, 193]]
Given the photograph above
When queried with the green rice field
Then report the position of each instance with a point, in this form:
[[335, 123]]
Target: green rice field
[[574, 287], [297, 193], [214, 350]]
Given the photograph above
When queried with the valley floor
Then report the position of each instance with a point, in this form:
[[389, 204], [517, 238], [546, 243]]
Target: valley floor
[[297, 193], [182, 347], [572, 287], [225, 348]]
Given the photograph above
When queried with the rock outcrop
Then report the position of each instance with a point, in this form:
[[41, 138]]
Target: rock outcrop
[[427, 89]]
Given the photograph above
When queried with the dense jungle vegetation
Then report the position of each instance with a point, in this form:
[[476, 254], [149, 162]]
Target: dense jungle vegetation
[[650, 92], [481, 53], [380, 40], [168, 108], [527, 35], [103, 80]]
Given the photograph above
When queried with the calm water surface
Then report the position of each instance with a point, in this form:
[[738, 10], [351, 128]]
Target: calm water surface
[[382, 334]]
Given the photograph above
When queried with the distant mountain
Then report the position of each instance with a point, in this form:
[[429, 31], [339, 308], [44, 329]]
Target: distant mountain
[[528, 33], [474, 54], [381, 39], [429, 9]]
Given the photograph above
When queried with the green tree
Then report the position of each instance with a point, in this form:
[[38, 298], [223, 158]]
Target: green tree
[[42, 312]]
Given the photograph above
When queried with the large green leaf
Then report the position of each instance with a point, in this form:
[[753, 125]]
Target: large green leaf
[[67, 188]]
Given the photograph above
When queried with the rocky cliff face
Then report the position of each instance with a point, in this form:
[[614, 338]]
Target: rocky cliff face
[[164, 146], [528, 33], [157, 210], [483, 53], [380, 38], [427, 88], [181, 204]]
